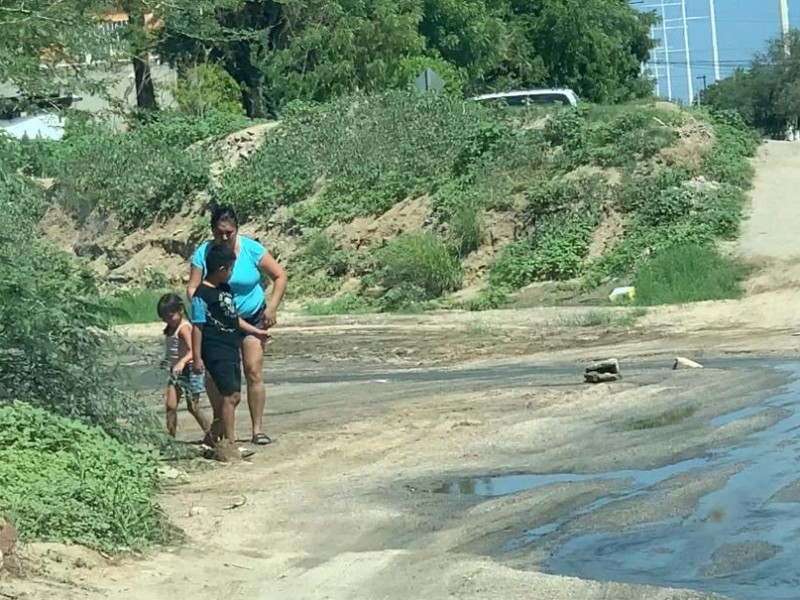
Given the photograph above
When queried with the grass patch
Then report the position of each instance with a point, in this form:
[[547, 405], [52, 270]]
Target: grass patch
[[134, 307], [476, 329], [665, 419], [630, 317], [688, 273], [592, 318], [347, 304]]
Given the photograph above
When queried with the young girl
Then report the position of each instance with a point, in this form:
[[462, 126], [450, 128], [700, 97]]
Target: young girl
[[178, 335]]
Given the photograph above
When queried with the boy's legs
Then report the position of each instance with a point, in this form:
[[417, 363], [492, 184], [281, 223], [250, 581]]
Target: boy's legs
[[215, 399], [227, 377], [171, 406], [229, 404]]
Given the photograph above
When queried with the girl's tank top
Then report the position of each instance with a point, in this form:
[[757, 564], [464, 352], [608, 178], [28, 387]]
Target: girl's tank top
[[176, 347]]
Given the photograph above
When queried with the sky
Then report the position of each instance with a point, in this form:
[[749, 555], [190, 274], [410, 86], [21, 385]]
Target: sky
[[743, 28]]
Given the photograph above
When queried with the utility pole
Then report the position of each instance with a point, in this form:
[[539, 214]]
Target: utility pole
[[689, 78], [705, 87], [665, 38], [712, 12], [784, 8], [655, 64]]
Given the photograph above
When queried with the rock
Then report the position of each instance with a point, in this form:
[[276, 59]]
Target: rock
[[196, 511], [172, 474], [595, 377], [685, 363], [8, 537], [610, 365]]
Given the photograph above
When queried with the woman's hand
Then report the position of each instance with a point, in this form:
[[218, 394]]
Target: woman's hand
[[270, 317]]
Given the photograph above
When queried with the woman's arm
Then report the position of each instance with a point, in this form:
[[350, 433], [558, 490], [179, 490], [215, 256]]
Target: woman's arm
[[277, 274], [195, 279]]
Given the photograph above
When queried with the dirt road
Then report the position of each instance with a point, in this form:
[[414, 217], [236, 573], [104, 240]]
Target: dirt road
[[349, 504], [771, 230]]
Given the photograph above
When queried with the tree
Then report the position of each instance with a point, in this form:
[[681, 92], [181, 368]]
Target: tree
[[205, 88], [42, 33], [767, 95]]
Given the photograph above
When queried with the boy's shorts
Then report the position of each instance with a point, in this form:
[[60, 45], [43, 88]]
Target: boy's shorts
[[226, 374], [190, 381]]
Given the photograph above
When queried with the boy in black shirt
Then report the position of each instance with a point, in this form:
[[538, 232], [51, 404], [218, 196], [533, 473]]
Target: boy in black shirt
[[216, 341]]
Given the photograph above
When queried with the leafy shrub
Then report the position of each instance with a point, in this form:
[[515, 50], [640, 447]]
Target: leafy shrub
[[133, 176], [362, 154], [727, 161], [416, 265], [556, 253], [688, 273], [53, 328], [62, 481], [208, 88]]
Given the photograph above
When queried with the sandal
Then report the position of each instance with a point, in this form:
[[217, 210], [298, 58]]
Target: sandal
[[261, 439]]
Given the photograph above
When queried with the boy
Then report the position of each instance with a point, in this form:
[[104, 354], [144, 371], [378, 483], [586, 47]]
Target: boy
[[216, 342], [178, 356]]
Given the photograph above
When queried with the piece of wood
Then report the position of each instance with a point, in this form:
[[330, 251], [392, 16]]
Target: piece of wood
[[610, 365], [602, 377]]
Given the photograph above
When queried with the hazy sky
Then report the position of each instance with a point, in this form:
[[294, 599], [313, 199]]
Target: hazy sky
[[743, 28]]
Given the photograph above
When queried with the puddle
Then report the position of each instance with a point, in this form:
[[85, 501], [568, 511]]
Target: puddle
[[503, 485], [739, 542]]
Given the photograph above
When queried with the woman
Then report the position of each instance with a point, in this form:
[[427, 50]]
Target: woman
[[252, 261]]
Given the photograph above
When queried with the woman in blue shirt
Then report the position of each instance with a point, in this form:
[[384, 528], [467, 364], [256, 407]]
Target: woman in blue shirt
[[252, 261]]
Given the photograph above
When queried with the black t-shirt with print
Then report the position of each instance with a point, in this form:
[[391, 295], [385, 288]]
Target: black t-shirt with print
[[214, 309]]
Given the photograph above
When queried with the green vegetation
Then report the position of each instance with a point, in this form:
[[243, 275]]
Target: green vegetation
[[132, 307], [765, 94], [665, 419], [62, 481], [68, 467], [688, 273]]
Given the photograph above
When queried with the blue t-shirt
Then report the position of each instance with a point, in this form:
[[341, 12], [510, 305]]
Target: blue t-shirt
[[245, 282]]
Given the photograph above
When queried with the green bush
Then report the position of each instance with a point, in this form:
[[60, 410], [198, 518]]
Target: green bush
[[208, 88], [416, 266], [57, 352], [61, 481], [688, 273]]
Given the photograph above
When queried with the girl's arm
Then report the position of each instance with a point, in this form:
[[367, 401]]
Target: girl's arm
[[186, 334], [197, 343], [270, 267]]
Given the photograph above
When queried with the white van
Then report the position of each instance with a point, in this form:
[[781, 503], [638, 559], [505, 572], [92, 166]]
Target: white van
[[565, 97]]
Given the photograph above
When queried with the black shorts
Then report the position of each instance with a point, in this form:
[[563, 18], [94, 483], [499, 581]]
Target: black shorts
[[256, 320], [226, 374]]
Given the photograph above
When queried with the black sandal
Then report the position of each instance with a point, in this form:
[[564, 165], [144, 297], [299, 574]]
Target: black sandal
[[261, 439]]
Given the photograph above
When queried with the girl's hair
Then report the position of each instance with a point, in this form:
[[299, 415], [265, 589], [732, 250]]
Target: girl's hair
[[224, 213], [170, 304]]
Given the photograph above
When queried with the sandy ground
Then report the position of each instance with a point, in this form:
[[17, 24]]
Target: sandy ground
[[342, 506]]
